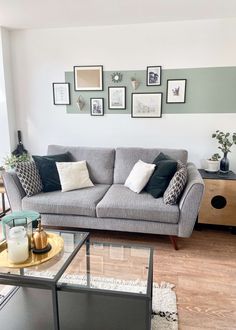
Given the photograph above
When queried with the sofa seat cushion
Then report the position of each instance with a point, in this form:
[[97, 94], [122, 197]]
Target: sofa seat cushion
[[122, 203], [76, 202]]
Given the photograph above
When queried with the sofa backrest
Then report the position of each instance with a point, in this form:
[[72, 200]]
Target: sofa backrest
[[127, 157], [100, 161]]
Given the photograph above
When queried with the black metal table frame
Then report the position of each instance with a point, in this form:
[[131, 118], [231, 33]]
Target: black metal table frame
[[54, 286], [41, 283]]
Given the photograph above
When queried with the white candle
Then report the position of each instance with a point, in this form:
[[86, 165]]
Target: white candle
[[18, 245]]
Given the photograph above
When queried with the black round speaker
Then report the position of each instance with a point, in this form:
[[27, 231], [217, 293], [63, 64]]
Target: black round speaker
[[218, 202]]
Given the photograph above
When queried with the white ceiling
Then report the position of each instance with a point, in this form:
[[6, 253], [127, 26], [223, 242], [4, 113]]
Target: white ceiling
[[18, 14]]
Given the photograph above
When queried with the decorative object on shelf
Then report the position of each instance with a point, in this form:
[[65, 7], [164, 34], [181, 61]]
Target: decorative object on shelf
[[176, 91], [80, 102], [20, 150], [226, 141], [97, 107], [17, 245], [116, 77], [153, 76], [117, 98], [88, 78], [146, 105], [61, 93], [135, 83], [213, 163], [40, 239]]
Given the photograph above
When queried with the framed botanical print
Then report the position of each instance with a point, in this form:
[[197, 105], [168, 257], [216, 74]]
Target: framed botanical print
[[88, 78], [153, 76], [176, 91], [146, 105], [97, 106], [117, 98], [61, 93]]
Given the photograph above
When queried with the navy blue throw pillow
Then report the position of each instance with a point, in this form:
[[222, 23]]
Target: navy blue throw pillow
[[48, 170], [163, 173]]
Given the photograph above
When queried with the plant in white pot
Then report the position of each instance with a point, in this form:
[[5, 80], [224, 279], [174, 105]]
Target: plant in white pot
[[213, 163]]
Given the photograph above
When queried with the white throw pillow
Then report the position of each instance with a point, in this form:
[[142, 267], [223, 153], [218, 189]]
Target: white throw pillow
[[139, 176], [73, 175]]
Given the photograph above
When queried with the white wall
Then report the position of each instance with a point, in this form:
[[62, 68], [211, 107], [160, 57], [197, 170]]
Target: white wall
[[41, 57], [7, 114]]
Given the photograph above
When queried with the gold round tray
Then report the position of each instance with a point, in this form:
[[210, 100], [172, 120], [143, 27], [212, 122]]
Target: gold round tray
[[56, 242]]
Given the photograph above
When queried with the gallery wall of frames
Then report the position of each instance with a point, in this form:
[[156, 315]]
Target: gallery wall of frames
[[147, 93]]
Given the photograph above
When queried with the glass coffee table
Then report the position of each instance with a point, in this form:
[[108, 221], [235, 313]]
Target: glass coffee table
[[89, 286]]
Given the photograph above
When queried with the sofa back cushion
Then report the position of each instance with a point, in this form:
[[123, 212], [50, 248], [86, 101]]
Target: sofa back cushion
[[100, 161], [127, 157]]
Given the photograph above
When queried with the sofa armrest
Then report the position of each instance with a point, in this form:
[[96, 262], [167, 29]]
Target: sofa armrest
[[190, 201], [14, 190]]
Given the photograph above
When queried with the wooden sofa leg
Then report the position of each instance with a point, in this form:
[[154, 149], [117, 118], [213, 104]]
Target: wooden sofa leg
[[173, 240]]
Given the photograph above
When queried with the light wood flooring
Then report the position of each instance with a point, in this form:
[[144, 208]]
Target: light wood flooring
[[203, 271]]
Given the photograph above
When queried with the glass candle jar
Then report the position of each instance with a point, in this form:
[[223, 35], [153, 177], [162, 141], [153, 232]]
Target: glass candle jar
[[17, 245]]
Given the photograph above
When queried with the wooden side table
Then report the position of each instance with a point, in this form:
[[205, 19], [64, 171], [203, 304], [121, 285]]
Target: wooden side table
[[219, 200], [2, 192]]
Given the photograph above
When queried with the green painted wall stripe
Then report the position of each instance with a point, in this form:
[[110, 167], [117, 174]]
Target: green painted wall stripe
[[209, 90]]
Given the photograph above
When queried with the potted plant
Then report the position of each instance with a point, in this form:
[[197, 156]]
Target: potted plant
[[226, 141], [213, 163], [11, 160]]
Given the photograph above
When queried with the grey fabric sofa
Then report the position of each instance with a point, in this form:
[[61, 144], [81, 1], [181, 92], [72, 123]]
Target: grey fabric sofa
[[109, 205]]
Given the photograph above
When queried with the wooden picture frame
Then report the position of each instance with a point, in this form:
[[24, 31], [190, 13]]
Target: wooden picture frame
[[88, 78]]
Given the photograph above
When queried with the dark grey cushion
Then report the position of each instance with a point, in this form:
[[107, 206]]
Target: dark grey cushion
[[100, 161], [127, 157], [122, 203], [76, 202]]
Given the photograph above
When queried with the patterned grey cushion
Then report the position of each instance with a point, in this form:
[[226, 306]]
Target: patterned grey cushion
[[29, 177], [176, 185]]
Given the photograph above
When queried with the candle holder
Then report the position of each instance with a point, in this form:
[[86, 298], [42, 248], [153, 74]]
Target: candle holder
[[24, 222]]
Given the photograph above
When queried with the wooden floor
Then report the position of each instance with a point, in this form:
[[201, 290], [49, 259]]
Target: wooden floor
[[203, 271]]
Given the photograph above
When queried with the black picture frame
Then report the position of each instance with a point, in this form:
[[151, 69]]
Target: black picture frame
[[90, 87], [92, 110], [61, 93], [145, 110], [153, 75], [110, 100], [176, 86]]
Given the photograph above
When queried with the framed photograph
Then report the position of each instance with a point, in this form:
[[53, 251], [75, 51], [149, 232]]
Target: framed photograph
[[61, 93], [117, 97], [88, 78], [153, 75], [176, 91], [97, 107], [146, 105]]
